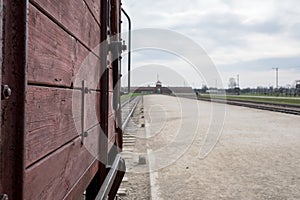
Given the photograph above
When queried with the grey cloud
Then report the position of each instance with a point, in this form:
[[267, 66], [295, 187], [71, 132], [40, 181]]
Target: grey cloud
[[265, 64], [221, 24]]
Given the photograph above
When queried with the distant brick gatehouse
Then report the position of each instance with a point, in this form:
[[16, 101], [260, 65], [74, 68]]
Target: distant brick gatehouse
[[159, 89]]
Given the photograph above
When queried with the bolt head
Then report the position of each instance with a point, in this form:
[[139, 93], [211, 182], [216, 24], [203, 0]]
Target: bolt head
[[6, 92]]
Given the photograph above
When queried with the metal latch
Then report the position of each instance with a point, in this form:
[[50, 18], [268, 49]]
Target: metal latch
[[5, 92], [117, 46]]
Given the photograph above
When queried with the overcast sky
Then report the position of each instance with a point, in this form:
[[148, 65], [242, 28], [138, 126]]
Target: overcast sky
[[245, 37]]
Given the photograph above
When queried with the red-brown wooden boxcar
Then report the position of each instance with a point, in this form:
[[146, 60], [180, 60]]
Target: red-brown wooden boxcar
[[43, 45]]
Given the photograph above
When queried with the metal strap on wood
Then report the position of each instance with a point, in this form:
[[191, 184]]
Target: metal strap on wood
[[3, 197], [110, 178]]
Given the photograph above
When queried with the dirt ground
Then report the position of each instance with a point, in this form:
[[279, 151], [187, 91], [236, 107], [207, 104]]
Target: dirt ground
[[256, 157], [137, 184]]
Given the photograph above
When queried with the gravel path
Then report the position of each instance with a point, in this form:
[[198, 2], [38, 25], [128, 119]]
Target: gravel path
[[137, 181], [256, 157]]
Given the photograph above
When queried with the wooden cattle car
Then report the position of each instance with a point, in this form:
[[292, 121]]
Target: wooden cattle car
[[43, 45]]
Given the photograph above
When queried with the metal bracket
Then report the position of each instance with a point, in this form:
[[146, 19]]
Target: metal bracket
[[84, 90], [3, 197], [5, 92], [124, 46], [117, 47]]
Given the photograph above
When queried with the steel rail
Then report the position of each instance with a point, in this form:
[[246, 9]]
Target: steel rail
[[130, 113], [283, 108], [127, 101], [109, 180]]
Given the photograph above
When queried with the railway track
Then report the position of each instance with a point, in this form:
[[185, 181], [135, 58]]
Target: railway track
[[283, 108], [128, 108], [129, 138]]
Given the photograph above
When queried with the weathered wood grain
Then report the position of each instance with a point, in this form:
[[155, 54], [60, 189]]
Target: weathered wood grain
[[110, 104], [75, 17], [80, 187], [54, 118], [92, 141], [110, 85], [94, 6], [88, 69], [111, 130], [54, 176], [54, 57], [51, 51], [58, 165]]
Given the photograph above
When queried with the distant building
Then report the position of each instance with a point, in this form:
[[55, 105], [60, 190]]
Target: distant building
[[182, 90], [159, 89]]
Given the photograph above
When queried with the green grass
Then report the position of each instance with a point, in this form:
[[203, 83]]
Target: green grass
[[290, 101], [125, 97], [270, 95]]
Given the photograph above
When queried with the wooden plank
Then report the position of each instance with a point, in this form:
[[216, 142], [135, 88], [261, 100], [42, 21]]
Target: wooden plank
[[111, 122], [110, 104], [88, 69], [111, 131], [94, 6], [54, 61], [56, 175], [50, 61], [110, 86], [91, 142], [75, 17], [50, 120], [82, 184]]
